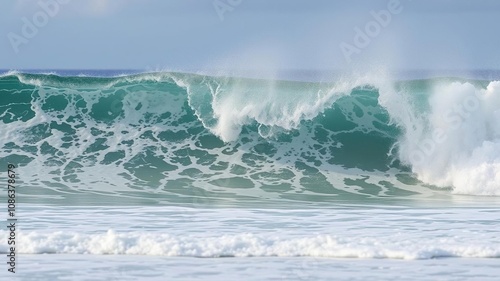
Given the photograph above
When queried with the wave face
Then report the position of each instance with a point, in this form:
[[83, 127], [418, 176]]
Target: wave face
[[192, 137]]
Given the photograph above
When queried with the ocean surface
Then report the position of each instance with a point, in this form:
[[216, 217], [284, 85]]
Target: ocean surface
[[124, 175]]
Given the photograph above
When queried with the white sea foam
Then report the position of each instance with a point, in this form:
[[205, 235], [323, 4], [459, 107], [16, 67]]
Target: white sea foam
[[457, 142], [245, 245], [396, 233]]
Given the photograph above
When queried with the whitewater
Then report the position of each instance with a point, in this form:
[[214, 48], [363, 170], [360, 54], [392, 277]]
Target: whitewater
[[302, 179]]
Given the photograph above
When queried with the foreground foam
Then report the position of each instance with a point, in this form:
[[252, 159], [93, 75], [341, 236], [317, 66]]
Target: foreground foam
[[245, 245]]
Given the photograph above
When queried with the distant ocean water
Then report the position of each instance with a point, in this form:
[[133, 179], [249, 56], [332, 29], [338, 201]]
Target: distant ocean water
[[289, 174]]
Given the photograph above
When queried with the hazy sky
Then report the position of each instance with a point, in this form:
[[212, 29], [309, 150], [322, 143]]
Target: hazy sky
[[256, 34]]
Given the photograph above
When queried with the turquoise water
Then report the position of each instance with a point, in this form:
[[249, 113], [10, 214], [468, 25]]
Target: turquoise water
[[131, 173]]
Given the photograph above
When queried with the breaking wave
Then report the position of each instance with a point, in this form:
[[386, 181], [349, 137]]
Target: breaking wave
[[186, 136]]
